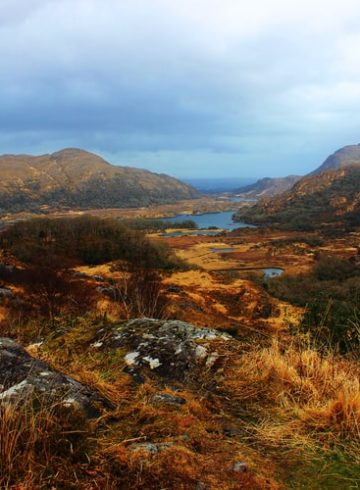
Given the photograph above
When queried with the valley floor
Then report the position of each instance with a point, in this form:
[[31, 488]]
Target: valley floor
[[255, 405]]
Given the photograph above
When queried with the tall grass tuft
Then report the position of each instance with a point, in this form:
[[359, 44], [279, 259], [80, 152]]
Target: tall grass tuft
[[38, 442]]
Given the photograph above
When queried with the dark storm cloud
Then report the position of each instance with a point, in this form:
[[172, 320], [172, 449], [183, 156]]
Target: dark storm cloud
[[183, 87]]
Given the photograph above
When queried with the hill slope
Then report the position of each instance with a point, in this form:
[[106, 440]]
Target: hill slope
[[345, 157], [330, 195], [268, 187], [74, 178]]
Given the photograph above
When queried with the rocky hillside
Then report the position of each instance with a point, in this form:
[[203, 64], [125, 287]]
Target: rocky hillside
[[149, 375], [77, 179], [329, 196], [345, 157], [268, 187]]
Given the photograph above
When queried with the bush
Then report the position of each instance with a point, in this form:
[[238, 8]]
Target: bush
[[140, 294], [331, 295], [86, 239], [154, 225], [334, 323]]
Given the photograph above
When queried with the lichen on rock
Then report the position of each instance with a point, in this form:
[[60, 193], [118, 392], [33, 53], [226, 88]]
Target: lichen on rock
[[169, 348], [22, 377]]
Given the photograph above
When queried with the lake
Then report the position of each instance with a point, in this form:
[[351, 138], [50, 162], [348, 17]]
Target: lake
[[220, 220], [272, 272]]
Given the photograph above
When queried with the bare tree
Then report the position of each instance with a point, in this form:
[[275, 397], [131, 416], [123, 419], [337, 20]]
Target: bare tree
[[140, 294]]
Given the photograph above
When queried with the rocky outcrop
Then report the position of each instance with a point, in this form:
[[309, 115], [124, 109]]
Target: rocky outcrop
[[344, 157], [169, 348], [23, 377]]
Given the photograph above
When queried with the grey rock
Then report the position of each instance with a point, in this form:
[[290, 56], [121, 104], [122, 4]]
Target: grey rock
[[6, 293], [174, 289], [169, 348], [240, 467], [80, 275], [110, 292], [23, 377], [134, 373], [166, 398], [98, 278], [191, 305], [233, 432], [149, 447]]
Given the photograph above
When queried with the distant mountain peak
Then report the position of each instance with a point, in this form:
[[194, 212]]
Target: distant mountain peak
[[73, 151], [78, 179], [328, 196], [268, 186], [344, 157]]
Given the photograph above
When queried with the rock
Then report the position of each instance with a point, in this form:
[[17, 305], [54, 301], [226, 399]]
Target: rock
[[110, 292], [23, 377], [240, 467], [174, 289], [166, 398], [97, 278], [6, 293], [169, 348], [233, 432], [80, 275], [191, 305], [134, 373], [149, 447]]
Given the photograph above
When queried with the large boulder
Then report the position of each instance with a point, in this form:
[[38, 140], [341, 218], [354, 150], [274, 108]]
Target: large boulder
[[169, 348], [23, 377]]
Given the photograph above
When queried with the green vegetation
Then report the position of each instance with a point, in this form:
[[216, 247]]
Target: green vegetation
[[86, 240], [331, 295], [154, 225], [50, 249], [314, 202]]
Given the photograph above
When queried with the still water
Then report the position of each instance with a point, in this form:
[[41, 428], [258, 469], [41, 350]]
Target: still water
[[272, 272], [220, 220]]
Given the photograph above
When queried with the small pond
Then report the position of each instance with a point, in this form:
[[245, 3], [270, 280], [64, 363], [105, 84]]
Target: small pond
[[271, 272]]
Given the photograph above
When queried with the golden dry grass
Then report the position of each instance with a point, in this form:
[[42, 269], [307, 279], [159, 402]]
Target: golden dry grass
[[39, 443]]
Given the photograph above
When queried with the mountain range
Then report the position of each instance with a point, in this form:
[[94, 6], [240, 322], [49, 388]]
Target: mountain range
[[267, 187], [76, 179], [328, 196]]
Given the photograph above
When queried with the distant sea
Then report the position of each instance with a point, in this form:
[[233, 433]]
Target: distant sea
[[218, 185]]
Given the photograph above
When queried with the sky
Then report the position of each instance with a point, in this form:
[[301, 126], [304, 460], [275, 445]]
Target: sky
[[192, 88]]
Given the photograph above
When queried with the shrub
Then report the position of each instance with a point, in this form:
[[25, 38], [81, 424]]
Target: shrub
[[86, 239]]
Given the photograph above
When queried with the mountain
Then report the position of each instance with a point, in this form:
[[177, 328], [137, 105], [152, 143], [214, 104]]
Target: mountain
[[345, 157], [73, 178], [219, 184], [268, 187], [328, 197]]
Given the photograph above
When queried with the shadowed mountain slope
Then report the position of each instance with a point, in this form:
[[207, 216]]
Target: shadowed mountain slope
[[328, 196]]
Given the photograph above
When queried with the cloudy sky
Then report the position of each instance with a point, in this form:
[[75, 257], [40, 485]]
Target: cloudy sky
[[188, 87]]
